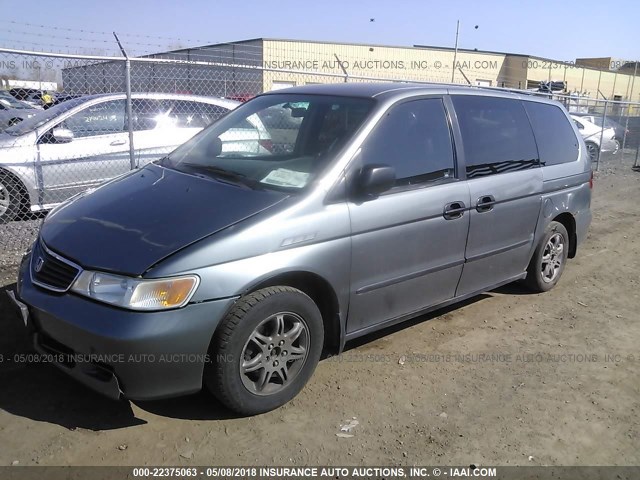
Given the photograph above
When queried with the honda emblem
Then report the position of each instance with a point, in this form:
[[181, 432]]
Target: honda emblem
[[39, 264]]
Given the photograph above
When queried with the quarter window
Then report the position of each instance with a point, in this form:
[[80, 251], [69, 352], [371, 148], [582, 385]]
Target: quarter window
[[188, 114], [415, 139], [149, 114], [557, 142], [496, 135]]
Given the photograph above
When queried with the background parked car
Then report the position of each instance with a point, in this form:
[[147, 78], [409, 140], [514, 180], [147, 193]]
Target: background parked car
[[34, 99], [63, 97], [592, 133], [13, 111], [608, 123], [21, 93], [83, 142]]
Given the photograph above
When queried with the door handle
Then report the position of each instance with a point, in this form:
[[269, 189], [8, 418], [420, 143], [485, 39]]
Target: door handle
[[115, 143], [454, 210], [485, 203]]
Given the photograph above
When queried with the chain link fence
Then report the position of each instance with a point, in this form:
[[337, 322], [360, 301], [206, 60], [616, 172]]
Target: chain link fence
[[87, 119]]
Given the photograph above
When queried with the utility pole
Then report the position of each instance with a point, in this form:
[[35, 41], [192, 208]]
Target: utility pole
[[455, 52]]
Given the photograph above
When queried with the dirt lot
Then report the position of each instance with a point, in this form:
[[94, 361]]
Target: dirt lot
[[549, 379]]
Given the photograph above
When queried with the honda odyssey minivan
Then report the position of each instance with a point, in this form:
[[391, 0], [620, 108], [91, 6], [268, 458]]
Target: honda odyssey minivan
[[234, 269]]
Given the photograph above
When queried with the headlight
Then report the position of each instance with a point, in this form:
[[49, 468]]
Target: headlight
[[136, 293]]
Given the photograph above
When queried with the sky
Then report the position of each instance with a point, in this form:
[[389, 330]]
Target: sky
[[561, 30]]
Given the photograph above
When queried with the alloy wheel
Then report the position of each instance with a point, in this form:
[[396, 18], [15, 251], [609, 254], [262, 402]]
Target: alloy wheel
[[552, 258], [275, 353], [592, 150], [5, 199]]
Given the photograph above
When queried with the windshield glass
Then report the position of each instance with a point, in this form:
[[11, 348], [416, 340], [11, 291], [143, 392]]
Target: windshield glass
[[8, 101], [43, 117], [278, 141]]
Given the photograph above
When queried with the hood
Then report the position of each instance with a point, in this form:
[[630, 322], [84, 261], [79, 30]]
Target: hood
[[6, 141], [133, 222]]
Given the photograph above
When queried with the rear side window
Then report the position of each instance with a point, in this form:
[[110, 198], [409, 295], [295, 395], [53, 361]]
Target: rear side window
[[189, 114], [557, 143], [414, 138], [496, 135]]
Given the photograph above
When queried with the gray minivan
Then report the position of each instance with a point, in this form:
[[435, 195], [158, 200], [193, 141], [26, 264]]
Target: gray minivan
[[373, 204]]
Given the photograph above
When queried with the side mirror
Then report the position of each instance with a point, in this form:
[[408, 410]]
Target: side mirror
[[375, 179], [62, 135], [214, 149]]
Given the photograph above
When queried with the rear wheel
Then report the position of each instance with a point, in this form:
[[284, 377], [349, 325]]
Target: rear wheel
[[265, 350], [549, 259], [592, 150], [11, 196]]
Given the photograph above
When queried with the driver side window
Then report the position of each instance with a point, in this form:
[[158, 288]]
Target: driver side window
[[101, 119], [413, 138]]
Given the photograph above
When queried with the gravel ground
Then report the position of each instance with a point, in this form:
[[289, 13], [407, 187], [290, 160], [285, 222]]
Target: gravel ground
[[547, 379]]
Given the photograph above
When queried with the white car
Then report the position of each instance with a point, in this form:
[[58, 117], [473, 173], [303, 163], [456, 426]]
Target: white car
[[591, 133], [83, 142]]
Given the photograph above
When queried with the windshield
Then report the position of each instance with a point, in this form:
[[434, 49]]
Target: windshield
[[9, 101], [275, 141], [43, 117]]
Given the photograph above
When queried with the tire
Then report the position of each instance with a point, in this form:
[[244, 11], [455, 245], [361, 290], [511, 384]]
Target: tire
[[592, 150], [549, 259], [11, 196], [618, 146], [258, 334]]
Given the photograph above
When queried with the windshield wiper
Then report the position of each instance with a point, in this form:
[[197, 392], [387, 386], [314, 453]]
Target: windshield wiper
[[222, 174]]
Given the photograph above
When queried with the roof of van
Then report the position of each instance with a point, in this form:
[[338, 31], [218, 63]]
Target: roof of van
[[359, 89]]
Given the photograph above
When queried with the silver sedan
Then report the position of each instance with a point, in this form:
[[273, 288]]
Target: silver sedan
[[83, 142]]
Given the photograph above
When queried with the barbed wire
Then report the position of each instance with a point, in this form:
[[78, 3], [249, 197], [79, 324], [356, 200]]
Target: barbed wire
[[98, 32]]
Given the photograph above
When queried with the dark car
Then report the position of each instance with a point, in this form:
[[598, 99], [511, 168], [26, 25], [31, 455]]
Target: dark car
[[24, 93]]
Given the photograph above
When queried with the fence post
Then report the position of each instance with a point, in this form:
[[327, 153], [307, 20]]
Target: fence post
[[127, 86], [132, 153], [626, 123], [604, 119]]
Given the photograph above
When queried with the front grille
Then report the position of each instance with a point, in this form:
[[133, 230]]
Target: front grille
[[51, 271]]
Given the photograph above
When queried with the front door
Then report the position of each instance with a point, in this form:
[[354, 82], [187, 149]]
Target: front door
[[407, 254], [98, 151]]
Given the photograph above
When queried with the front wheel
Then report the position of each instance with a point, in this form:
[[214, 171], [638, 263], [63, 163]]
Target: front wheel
[[265, 350], [549, 259], [10, 198]]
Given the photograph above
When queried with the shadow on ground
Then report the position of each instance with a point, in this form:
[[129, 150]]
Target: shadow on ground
[[40, 392], [410, 323], [515, 288]]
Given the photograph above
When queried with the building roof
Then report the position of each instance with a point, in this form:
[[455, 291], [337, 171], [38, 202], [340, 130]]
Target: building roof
[[373, 45]]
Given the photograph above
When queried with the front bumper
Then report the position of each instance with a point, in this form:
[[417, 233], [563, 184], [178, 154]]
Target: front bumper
[[142, 355]]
